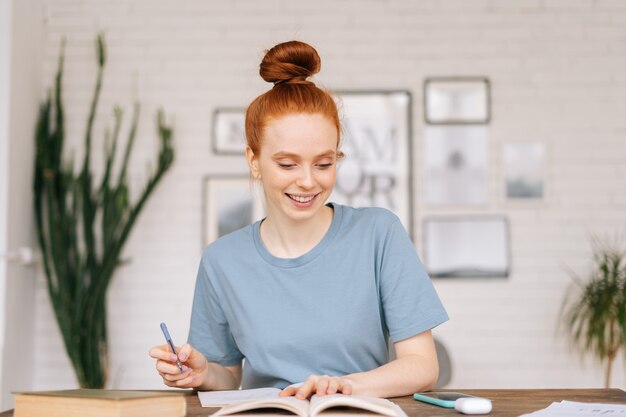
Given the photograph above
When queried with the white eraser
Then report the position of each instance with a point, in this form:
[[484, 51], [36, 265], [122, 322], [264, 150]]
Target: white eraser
[[473, 405]]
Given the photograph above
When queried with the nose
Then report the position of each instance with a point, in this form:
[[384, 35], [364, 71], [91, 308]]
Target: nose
[[305, 178]]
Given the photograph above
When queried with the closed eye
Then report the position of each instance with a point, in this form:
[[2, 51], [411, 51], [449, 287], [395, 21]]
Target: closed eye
[[286, 166], [324, 166]]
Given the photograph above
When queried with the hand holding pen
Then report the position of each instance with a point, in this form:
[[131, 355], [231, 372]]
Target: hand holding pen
[[168, 339], [182, 367]]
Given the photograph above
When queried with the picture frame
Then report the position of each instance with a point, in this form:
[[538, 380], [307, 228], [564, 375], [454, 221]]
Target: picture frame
[[228, 131], [377, 142], [456, 165], [524, 166], [457, 100], [452, 250], [228, 204]]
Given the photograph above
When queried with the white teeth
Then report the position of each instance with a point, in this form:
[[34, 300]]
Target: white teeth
[[301, 199]]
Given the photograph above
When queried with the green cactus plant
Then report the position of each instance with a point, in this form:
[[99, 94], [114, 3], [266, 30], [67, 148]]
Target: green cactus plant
[[82, 225]]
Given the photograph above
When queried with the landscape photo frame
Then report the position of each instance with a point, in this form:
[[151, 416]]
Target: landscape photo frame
[[457, 100], [467, 247]]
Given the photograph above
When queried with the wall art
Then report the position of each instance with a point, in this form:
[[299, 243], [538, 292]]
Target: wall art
[[377, 169], [229, 203], [524, 170], [457, 247], [456, 165], [229, 131], [457, 100]]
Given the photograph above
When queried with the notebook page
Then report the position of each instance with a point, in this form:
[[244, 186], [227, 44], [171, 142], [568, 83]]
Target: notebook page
[[222, 398]]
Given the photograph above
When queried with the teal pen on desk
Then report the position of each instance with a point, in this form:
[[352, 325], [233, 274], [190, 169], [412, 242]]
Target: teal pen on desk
[[169, 341]]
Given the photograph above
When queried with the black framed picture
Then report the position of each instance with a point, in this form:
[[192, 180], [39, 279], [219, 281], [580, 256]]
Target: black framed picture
[[228, 203], [457, 100], [465, 247], [376, 139], [229, 131]]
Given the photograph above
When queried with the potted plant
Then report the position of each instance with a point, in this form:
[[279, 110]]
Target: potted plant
[[82, 223], [594, 309]]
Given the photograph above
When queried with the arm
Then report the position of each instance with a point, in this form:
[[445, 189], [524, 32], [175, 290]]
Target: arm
[[197, 372], [409, 301], [210, 331], [415, 369]]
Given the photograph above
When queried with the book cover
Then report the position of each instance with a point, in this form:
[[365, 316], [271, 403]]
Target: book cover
[[100, 403]]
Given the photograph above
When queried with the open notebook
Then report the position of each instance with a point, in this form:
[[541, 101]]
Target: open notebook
[[222, 398], [337, 405]]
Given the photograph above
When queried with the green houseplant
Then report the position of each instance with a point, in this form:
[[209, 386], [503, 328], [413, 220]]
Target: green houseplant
[[83, 221], [594, 310]]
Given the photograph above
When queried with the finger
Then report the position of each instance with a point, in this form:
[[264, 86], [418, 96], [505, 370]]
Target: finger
[[333, 386], [161, 352], [169, 384], [307, 388], [322, 386], [288, 392], [304, 392], [176, 377], [167, 367], [184, 352], [345, 387], [189, 382]]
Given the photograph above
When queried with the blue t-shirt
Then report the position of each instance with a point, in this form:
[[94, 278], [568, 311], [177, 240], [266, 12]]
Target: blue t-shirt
[[328, 311]]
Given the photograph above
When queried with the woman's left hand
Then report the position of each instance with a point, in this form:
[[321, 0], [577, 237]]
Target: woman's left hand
[[319, 385]]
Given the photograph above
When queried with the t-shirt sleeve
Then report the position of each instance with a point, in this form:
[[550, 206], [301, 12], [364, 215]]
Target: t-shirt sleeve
[[209, 331], [409, 300]]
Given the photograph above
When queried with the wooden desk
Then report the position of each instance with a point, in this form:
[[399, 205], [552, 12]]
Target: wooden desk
[[506, 402], [515, 402]]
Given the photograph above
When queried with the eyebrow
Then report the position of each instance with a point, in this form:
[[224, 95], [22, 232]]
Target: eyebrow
[[284, 154]]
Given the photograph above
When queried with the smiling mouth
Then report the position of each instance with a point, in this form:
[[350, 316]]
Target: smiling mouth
[[302, 199]]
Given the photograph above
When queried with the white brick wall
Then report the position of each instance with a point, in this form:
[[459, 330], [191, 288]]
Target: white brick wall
[[558, 72]]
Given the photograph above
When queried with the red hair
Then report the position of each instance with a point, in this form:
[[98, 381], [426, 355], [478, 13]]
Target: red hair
[[288, 65]]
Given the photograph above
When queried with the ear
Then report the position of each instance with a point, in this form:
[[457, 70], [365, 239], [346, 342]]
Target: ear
[[253, 163]]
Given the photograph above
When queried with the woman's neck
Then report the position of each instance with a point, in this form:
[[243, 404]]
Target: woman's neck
[[288, 239]]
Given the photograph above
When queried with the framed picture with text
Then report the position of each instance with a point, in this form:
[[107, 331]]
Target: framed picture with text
[[376, 140]]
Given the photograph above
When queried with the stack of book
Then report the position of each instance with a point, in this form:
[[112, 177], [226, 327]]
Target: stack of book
[[100, 403]]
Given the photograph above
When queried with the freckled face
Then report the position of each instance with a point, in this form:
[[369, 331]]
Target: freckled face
[[296, 165]]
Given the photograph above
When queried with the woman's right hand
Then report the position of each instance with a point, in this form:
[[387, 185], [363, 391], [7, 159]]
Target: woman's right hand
[[195, 366]]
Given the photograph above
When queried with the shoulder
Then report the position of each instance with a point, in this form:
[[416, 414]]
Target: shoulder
[[368, 216], [226, 247], [373, 222]]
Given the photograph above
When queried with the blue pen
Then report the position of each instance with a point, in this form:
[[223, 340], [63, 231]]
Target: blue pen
[[169, 341]]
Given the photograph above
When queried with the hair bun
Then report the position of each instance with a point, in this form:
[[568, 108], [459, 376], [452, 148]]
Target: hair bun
[[287, 62]]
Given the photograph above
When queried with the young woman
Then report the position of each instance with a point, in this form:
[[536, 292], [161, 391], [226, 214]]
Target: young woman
[[312, 292]]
